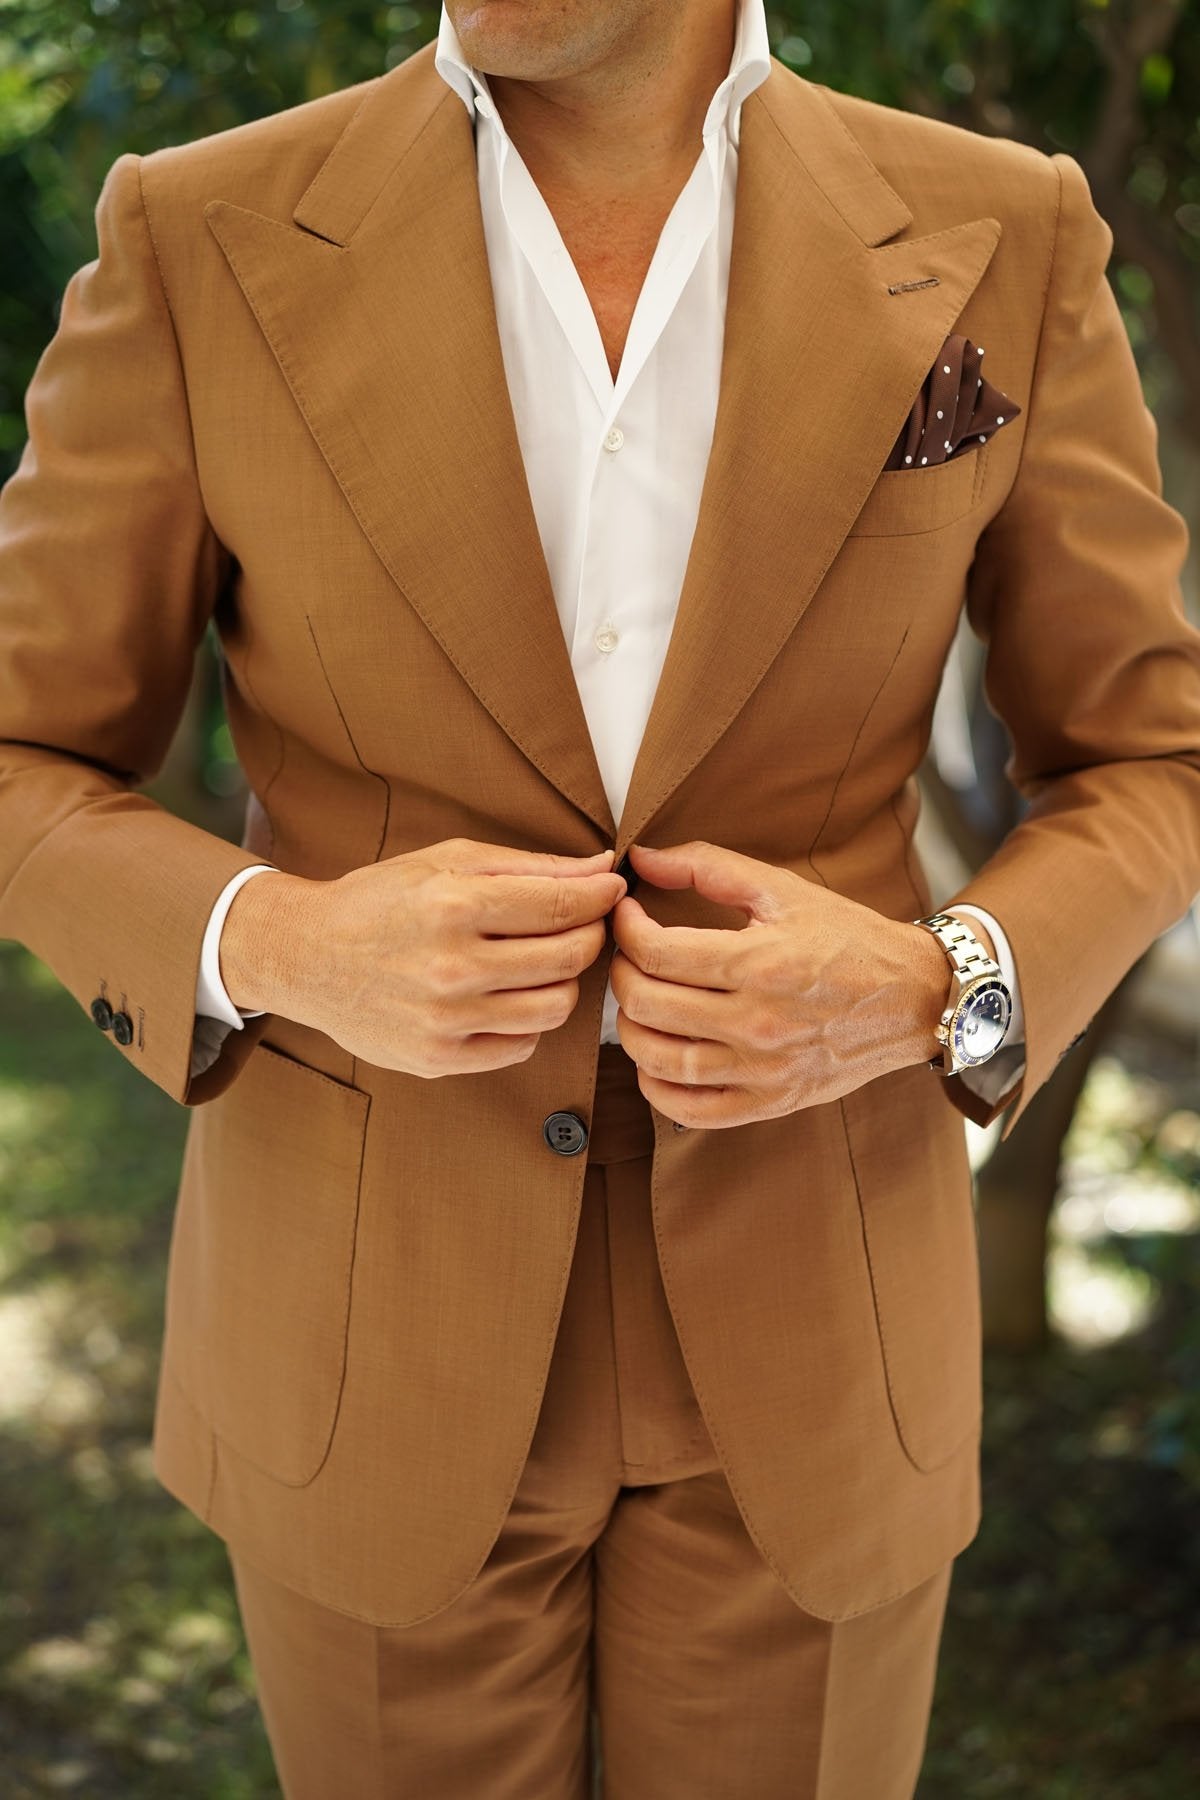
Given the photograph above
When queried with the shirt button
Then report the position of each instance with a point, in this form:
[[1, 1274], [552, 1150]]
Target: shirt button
[[613, 440], [606, 640]]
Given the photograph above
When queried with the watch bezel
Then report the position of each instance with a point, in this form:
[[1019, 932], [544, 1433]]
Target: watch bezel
[[955, 1016]]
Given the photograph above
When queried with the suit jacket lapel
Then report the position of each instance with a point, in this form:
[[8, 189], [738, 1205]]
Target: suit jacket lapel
[[821, 366], [377, 304], [379, 312]]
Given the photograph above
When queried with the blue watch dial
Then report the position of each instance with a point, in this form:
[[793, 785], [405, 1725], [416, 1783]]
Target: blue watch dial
[[981, 1023]]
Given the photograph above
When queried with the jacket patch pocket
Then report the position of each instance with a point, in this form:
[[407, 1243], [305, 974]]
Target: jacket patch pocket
[[258, 1291], [908, 1151], [905, 502]]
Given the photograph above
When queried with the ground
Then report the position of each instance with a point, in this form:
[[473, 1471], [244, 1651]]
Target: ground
[[1070, 1666]]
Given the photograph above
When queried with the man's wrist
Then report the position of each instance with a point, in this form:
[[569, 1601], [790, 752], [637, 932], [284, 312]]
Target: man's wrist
[[978, 1018], [931, 989], [262, 943]]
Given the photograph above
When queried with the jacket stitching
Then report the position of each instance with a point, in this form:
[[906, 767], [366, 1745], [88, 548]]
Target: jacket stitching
[[280, 739], [734, 1485], [899, 1413], [342, 1088], [373, 773], [862, 725], [1045, 305], [907, 843]]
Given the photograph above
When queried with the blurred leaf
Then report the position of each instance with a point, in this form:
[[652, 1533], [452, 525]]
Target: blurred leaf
[[1158, 72]]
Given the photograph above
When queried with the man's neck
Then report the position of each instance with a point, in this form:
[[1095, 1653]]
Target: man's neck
[[635, 120]]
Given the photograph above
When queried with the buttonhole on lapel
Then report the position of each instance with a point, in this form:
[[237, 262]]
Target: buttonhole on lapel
[[906, 287]]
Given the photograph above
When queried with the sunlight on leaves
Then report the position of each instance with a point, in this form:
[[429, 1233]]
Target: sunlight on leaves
[[60, 1660], [1090, 1304], [38, 1386]]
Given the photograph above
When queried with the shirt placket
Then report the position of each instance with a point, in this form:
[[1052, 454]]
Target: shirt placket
[[595, 615], [603, 582]]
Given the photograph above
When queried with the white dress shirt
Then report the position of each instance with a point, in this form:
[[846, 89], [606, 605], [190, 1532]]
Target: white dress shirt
[[615, 467]]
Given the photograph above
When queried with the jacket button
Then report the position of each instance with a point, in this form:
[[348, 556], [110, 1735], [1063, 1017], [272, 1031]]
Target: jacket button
[[122, 1028], [626, 868], [566, 1133], [102, 1012]]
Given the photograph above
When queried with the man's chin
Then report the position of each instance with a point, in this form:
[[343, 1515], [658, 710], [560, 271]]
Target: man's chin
[[520, 40]]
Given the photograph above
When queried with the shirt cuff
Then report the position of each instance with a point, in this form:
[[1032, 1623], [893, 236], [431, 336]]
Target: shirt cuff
[[212, 1001], [992, 1079]]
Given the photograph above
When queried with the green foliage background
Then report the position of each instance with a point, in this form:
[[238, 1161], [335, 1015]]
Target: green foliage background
[[81, 81]]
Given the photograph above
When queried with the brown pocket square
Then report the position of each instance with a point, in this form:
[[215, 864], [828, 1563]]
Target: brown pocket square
[[956, 409]]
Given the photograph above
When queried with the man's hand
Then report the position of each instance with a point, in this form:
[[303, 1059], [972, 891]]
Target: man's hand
[[816, 996], [439, 962]]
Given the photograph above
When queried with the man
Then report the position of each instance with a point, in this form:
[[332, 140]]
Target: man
[[572, 1300]]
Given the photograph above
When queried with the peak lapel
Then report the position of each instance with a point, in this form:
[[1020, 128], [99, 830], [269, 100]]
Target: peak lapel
[[379, 312], [820, 367]]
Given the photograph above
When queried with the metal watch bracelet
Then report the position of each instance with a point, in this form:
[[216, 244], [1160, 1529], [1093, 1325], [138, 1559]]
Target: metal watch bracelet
[[971, 965]]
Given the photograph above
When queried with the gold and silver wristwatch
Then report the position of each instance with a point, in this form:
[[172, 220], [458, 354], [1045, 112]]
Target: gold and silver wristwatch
[[975, 1023]]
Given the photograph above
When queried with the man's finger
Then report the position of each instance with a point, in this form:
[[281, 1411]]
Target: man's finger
[[691, 1012], [688, 954], [521, 1010], [726, 876], [485, 1050], [524, 962], [687, 1062], [531, 905], [466, 857], [699, 1108]]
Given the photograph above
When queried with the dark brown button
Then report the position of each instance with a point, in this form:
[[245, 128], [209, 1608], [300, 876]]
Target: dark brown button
[[122, 1028], [566, 1133], [102, 1012], [626, 868]]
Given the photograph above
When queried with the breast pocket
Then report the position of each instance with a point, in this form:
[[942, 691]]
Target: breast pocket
[[904, 502], [258, 1293]]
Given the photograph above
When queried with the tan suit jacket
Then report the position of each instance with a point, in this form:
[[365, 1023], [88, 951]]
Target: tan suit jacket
[[278, 402]]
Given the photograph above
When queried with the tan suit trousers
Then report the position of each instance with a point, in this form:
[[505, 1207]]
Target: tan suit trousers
[[623, 1613]]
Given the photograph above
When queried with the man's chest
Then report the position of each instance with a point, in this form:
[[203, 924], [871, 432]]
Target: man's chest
[[612, 249]]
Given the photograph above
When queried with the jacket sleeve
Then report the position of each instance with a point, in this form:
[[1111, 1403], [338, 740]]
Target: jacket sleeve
[[1091, 665], [109, 571]]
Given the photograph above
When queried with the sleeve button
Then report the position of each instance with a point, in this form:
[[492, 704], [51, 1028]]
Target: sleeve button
[[102, 1013], [122, 1028]]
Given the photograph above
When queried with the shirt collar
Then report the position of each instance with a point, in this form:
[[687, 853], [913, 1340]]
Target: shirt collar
[[748, 69]]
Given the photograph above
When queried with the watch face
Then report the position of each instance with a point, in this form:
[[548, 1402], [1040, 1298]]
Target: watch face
[[981, 1023]]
